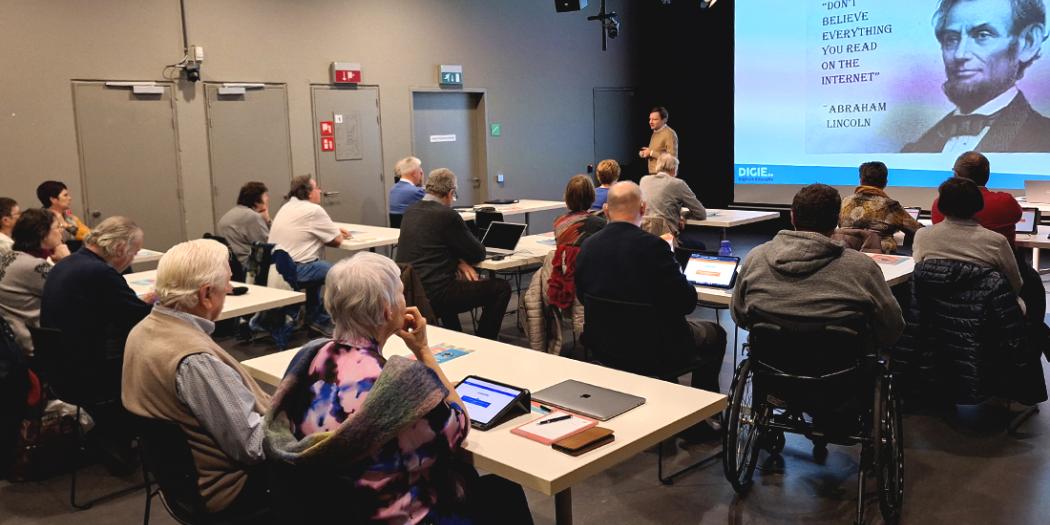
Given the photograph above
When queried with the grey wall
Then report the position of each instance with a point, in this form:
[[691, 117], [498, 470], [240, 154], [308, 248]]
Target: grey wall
[[538, 67]]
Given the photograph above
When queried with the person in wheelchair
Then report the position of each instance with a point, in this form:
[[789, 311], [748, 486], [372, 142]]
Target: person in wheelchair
[[805, 273]]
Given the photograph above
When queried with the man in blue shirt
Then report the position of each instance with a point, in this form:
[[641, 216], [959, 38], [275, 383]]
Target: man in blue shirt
[[406, 191]]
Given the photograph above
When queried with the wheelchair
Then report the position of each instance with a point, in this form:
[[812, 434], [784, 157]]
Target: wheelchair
[[822, 379]]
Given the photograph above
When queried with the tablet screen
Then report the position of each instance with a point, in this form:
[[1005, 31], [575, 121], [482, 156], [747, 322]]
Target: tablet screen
[[484, 400], [914, 212], [1029, 222], [709, 270]]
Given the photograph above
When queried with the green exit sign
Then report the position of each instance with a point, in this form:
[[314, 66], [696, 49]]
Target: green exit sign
[[452, 78]]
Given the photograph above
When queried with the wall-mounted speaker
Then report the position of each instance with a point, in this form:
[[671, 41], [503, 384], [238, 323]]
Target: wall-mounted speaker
[[564, 6]]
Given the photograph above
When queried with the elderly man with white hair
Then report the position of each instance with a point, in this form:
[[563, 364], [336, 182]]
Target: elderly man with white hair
[[408, 190], [364, 438], [87, 299], [174, 371], [436, 242], [665, 196]]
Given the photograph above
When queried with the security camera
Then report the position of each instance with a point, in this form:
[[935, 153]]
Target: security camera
[[193, 71], [612, 26]]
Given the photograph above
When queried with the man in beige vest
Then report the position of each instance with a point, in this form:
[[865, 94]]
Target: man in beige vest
[[664, 139], [174, 371]]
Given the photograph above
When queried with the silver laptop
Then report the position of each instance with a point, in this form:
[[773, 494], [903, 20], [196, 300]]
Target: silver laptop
[[1037, 191], [502, 238], [589, 400]]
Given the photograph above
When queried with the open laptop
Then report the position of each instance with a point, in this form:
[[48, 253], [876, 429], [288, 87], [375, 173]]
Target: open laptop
[[914, 211], [586, 399], [501, 238], [1029, 223], [716, 271], [1037, 191]]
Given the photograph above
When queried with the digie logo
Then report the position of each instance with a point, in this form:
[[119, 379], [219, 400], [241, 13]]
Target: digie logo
[[754, 174]]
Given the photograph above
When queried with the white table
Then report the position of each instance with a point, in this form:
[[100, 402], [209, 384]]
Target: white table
[[669, 409], [1043, 206], [367, 237], [895, 273], [523, 206], [726, 219], [531, 249], [257, 299], [147, 256], [1035, 242]]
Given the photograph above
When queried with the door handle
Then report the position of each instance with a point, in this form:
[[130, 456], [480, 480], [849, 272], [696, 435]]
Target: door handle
[[475, 182], [329, 193], [96, 214]]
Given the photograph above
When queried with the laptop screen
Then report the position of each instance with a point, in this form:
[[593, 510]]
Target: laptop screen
[[503, 235], [711, 270], [914, 212], [1029, 222]]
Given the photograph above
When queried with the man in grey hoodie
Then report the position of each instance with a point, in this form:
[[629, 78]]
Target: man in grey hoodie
[[805, 273]]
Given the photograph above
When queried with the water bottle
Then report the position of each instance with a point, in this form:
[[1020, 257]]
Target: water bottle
[[725, 250]]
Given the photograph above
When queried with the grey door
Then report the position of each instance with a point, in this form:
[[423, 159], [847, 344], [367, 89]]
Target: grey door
[[248, 140], [353, 173], [128, 158], [448, 131], [614, 118]]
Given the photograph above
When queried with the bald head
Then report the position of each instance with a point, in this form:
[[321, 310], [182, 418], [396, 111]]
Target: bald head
[[625, 203]]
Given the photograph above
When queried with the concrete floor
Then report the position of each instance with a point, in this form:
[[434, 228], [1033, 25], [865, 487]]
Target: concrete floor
[[958, 470]]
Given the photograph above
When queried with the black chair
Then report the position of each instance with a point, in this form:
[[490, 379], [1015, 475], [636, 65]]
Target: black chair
[[168, 463], [632, 337], [14, 386], [66, 380], [395, 220], [236, 268], [259, 260], [821, 378]]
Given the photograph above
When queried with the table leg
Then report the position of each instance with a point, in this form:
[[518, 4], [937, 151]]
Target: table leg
[[1035, 258], [563, 507], [526, 223], [725, 233]]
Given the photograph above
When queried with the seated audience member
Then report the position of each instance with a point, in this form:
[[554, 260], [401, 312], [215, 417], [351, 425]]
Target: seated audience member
[[247, 222], [869, 208], [1001, 210], [805, 273], [174, 371], [37, 236], [622, 262], [302, 228], [379, 435], [436, 242], [88, 299], [959, 237], [554, 283], [665, 196], [9, 213], [608, 172], [408, 190], [55, 196], [570, 230]]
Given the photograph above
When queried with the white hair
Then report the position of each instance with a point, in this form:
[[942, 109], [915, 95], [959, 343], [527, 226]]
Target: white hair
[[667, 163], [188, 266], [114, 236], [407, 165], [357, 293]]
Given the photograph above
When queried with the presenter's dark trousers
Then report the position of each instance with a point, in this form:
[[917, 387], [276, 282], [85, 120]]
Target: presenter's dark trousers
[[492, 295]]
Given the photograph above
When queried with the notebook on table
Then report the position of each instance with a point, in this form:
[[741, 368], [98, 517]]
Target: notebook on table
[[592, 401], [501, 238]]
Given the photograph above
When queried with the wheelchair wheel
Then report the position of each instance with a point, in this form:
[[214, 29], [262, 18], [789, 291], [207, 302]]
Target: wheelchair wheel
[[743, 421], [889, 451]]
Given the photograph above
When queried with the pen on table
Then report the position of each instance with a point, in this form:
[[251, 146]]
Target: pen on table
[[553, 419]]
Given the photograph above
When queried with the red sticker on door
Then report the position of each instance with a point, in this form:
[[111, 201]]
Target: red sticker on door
[[327, 128], [327, 143]]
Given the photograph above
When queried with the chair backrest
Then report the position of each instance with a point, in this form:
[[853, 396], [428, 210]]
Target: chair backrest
[[286, 267], [395, 220], [414, 293], [166, 456], [859, 239], [259, 260], [625, 335], [49, 364], [809, 348], [483, 218], [236, 268]]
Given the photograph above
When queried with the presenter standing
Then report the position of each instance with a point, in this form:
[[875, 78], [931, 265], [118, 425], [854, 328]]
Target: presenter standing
[[664, 139]]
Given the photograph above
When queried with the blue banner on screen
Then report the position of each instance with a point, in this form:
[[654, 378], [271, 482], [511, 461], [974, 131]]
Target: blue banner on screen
[[483, 399], [822, 86]]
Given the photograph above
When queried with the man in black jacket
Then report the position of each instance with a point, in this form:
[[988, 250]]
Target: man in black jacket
[[624, 263], [436, 242]]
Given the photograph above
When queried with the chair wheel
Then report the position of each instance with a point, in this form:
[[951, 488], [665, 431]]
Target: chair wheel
[[776, 442]]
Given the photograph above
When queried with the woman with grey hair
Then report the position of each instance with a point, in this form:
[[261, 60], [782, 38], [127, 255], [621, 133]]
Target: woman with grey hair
[[378, 435]]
